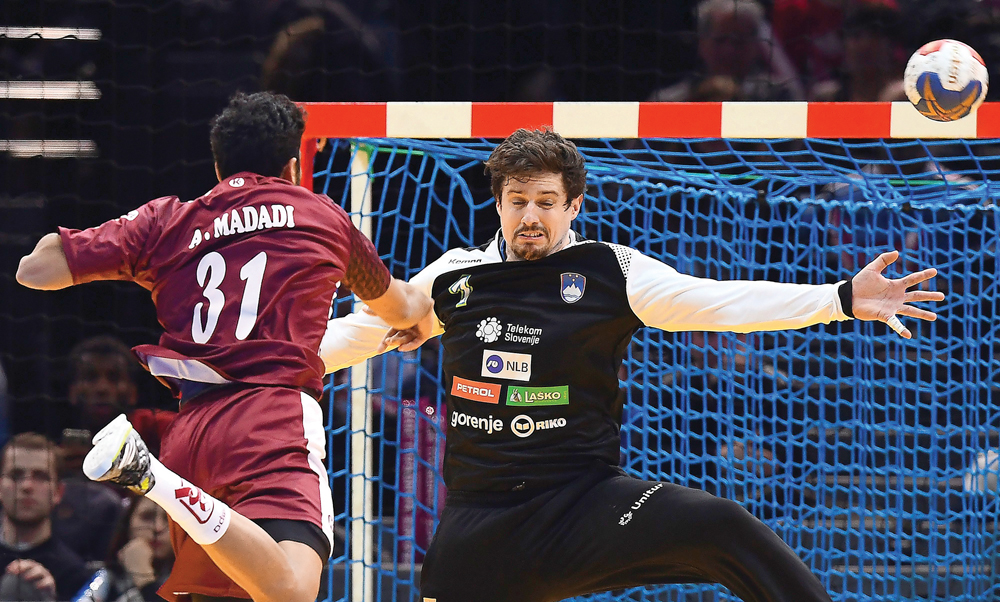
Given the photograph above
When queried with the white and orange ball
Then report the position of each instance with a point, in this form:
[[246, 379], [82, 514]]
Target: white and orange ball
[[946, 80]]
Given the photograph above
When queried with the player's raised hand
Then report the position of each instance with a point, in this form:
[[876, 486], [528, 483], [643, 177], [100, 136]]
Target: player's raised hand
[[875, 297]]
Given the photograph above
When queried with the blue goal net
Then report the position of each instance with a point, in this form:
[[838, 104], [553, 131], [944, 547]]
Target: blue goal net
[[873, 457]]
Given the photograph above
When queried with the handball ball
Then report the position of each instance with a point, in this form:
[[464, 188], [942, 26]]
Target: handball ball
[[946, 80], [981, 477]]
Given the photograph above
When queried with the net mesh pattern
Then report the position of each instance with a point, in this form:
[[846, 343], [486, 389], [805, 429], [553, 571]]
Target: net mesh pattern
[[860, 449]]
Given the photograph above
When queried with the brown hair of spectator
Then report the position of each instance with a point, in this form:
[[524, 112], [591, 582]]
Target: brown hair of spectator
[[32, 442], [530, 152]]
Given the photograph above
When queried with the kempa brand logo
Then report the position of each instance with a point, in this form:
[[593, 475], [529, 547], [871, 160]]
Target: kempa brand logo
[[489, 330], [194, 500], [525, 426], [537, 396], [476, 391], [488, 425], [503, 364], [627, 517]]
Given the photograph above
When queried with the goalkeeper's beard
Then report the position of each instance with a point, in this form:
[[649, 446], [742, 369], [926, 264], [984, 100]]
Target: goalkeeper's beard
[[527, 251]]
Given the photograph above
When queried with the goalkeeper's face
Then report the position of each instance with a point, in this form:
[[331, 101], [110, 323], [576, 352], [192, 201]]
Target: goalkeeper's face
[[535, 216]]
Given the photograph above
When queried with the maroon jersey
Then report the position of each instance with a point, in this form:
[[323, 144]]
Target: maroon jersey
[[242, 278]]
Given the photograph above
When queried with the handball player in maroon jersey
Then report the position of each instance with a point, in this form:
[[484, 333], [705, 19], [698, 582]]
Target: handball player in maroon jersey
[[242, 279]]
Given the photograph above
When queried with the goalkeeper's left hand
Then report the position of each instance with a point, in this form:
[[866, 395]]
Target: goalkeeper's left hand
[[875, 297]]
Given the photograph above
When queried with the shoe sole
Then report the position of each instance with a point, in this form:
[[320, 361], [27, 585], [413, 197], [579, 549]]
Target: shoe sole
[[103, 460]]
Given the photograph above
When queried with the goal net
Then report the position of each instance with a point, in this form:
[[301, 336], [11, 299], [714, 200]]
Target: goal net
[[873, 457]]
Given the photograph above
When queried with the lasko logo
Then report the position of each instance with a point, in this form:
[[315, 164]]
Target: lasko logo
[[524, 426], [476, 391], [503, 364], [488, 425], [194, 500], [537, 396]]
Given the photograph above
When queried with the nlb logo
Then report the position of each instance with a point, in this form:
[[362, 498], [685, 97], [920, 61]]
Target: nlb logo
[[476, 391], [523, 425], [194, 500], [503, 364]]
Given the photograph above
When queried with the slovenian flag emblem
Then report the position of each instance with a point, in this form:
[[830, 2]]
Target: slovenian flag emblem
[[572, 286]]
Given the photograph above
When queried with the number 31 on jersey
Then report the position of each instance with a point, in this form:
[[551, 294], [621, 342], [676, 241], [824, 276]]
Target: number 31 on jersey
[[212, 268]]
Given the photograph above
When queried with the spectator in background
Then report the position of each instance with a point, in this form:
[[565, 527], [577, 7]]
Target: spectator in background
[[103, 386], [810, 30], [4, 412], [330, 54], [735, 42], [874, 59], [141, 557], [29, 489]]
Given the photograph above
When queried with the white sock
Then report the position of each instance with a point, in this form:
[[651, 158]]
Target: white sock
[[203, 517]]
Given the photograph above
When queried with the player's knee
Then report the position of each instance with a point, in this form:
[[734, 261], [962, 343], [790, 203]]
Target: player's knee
[[729, 519], [293, 589]]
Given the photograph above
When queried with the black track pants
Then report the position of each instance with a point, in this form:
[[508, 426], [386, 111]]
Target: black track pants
[[608, 531]]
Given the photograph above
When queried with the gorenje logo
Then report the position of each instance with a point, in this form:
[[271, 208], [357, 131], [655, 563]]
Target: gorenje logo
[[537, 396], [489, 425], [524, 426], [503, 364]]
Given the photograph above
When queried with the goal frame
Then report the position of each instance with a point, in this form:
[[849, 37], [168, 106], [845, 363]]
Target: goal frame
[[575, 120]]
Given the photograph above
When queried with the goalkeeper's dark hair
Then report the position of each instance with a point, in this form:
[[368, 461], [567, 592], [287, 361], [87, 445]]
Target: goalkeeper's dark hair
[[258, 133], [526, 153]]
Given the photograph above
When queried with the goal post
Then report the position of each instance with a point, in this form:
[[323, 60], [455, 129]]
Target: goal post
[[873, 457]]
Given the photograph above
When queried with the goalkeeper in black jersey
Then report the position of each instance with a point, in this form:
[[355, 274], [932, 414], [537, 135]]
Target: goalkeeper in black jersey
[[534, 327]]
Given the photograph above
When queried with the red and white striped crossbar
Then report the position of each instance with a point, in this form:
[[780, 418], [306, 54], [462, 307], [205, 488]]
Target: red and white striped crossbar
[[639, 120]]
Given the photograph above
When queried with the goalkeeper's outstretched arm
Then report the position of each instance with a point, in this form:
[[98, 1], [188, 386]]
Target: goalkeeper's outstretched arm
[[46, 267]]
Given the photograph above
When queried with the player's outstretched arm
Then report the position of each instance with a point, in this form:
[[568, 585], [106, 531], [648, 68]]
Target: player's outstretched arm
[[402, 306], [45, 268], [875, 297]]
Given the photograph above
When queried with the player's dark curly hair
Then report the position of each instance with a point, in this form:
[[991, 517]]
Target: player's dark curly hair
[[530, 152], [258, 133]]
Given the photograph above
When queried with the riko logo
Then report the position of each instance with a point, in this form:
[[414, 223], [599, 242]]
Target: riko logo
[[476, 391], [537, 396], [503, 364], [489, 330], [524, 426], [237, 182], [194, 500]]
